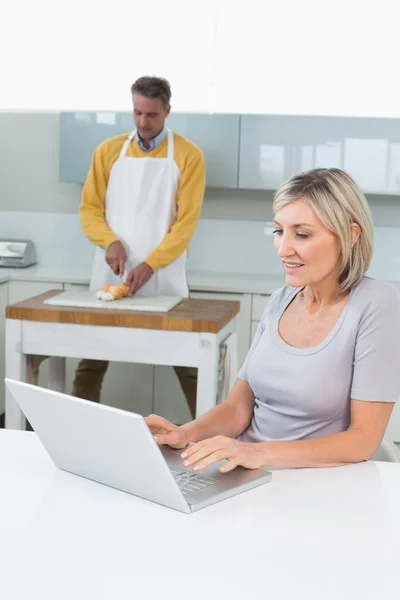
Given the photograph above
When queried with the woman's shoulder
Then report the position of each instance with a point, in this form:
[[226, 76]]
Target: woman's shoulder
[[279, 298], [371, 292], [375, 303]]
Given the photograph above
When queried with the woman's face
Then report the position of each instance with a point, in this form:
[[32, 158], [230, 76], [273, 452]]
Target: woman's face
[[308, 250]]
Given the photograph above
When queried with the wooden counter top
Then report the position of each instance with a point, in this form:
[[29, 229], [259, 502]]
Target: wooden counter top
[[199, 316]]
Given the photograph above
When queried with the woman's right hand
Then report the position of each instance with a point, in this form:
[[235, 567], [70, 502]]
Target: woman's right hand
[[166, 433]]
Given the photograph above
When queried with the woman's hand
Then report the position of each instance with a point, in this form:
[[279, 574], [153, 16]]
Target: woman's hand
[[203, 454], [165, 432]]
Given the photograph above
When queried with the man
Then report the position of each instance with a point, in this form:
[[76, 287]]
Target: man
[[140, 206]]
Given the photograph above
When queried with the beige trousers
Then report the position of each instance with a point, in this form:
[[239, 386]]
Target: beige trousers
[[90, 374]]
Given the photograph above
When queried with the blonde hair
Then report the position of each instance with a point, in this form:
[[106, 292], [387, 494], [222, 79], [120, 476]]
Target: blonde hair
[[338, 203]]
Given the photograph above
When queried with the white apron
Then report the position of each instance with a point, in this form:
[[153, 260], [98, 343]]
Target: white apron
[[140, 208]]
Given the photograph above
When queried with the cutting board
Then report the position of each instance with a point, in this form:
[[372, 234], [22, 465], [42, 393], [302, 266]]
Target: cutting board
[[86, 299]]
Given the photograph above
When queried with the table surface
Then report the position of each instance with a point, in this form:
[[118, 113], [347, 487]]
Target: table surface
[[191, 315], [309, 533]]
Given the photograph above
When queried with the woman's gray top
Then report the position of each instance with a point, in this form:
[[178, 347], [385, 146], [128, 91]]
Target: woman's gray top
[[305, 393]]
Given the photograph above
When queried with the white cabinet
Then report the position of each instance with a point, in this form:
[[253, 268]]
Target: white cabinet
[[218, 137], [169, 400], [274, 147], [242, 319], [3, 304], [259, 304], [253, 329]]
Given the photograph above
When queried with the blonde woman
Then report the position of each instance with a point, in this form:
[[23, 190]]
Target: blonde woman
[[322, 375]]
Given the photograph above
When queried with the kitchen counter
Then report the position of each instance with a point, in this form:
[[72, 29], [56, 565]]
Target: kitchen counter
[[61, 274], [200, 281]]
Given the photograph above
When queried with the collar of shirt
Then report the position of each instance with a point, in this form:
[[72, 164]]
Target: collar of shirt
[[156, 141]]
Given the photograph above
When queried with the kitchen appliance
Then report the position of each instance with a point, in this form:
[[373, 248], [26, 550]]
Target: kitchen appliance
[[17, 253]]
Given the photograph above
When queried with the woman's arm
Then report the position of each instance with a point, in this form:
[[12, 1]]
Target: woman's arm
[[230, 418], [360, 442]]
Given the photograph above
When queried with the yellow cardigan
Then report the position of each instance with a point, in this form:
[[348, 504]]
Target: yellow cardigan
[[190, 161]]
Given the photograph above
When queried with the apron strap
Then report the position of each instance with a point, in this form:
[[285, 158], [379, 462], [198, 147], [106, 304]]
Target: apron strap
[[170, 146], [126, 144]]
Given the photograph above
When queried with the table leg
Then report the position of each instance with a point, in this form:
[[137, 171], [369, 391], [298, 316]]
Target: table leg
[[207, 376], [16, 368], [57, 371]]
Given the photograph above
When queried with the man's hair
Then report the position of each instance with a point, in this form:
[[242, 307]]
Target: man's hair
[[153, 87]]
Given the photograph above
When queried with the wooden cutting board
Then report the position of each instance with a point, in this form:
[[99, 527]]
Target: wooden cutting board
[[86, 299]]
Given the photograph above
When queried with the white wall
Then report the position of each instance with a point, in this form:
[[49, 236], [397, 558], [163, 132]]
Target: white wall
[[240, 56]]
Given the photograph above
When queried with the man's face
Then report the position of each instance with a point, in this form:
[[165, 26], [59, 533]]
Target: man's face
[[149, 116]]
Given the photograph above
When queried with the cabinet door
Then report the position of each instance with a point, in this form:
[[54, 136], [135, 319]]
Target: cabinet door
[[264, 154], [254, 325], [3, 304], [81, 133], [242, 319], [218, 137], [273, 148], [169, 400], [259, 304]]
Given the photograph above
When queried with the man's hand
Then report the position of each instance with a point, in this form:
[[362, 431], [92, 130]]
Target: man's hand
[[138, 277], [116, 258]]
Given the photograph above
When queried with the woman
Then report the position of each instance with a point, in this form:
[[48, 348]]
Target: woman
[[322, 375]]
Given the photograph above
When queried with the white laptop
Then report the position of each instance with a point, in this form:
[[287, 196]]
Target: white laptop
[[116, 448]]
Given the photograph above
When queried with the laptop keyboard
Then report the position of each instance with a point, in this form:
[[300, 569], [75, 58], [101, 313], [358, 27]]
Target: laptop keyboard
[[189, 482]]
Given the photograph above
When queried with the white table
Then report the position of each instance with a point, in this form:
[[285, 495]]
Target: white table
[[191, 334], [326, 534]]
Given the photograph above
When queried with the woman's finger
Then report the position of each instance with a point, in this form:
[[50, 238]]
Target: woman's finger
[[156, 421], [193, 448], [228, 466], [161, 439], [199, 451], [211, 458]]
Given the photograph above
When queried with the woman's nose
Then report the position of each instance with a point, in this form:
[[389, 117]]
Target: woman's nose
[[284, 246]]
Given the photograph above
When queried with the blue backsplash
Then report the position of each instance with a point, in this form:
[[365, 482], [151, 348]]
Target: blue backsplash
[[218, 245]]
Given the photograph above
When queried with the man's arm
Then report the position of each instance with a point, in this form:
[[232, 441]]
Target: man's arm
[[92, 208], [189, 202]]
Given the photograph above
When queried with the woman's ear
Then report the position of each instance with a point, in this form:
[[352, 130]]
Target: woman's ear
[[355, 233]]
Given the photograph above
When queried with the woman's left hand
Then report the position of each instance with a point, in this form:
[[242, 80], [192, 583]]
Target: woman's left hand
[[203, 454]]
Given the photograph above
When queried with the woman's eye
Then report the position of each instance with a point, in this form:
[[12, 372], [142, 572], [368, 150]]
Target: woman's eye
[[278, 231], [304, 236]]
